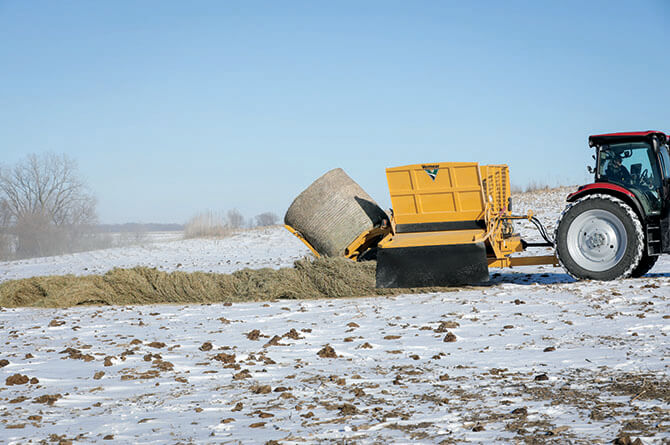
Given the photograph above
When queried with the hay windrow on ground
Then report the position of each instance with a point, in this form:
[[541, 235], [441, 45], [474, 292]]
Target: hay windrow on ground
[[321, 278]]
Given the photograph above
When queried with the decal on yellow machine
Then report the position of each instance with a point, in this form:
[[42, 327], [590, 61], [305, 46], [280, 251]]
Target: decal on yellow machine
[[431, 170]]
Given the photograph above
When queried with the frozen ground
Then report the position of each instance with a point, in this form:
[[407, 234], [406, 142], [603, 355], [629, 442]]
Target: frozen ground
[[147, 374], [537, 358]]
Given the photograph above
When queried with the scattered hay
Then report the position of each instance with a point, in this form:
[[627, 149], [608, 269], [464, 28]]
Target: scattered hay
[[321, 278]]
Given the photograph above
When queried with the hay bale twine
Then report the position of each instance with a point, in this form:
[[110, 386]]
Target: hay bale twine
[[332, 212]]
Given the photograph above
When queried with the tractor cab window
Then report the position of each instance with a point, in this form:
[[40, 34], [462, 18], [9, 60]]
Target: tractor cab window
[[633, 166], [665, 160]]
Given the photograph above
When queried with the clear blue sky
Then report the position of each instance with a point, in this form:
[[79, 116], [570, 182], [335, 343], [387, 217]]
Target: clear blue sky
[[175, 107]]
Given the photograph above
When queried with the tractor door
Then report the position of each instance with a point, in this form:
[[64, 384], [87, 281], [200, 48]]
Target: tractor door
[[634, 166], [665, 212]]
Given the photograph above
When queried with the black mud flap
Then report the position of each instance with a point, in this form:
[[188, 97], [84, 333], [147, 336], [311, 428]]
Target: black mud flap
[[431, 266]]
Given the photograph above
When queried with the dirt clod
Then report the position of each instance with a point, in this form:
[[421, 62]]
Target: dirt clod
[[48, 399], [327, 352], [445, 326], [163, 365], [76, 354], [243, 374], [17, 379], [206, 346], [348, 409], [274, 341], [626, 440], [293, 334], [253, 335], [449, 338], [225, 358], [261, 389]]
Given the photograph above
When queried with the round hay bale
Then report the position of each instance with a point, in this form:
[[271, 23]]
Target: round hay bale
[[332, 212]]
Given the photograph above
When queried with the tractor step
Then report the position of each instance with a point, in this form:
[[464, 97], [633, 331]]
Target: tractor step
[[654, 240]]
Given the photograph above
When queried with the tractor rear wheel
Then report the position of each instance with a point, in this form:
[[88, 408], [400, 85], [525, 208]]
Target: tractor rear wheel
[[645, 265], [599, 237]]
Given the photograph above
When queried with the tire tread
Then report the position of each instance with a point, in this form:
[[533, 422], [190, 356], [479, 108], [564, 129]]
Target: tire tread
[[633, 217]]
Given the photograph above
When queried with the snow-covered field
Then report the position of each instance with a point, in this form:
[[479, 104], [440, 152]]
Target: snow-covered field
[[534, 357], [267, 247]]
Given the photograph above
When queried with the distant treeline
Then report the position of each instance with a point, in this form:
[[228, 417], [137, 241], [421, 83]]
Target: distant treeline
[[138, 227]]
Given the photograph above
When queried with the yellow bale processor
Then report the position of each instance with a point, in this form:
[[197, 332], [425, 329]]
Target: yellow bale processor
[[449, 222]]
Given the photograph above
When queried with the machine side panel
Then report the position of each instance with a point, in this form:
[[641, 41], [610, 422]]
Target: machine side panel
[[436, 193]]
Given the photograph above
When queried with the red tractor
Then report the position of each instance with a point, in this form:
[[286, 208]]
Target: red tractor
[[620, 224]]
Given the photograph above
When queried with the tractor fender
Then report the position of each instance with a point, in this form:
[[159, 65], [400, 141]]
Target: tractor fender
[[610, 189]]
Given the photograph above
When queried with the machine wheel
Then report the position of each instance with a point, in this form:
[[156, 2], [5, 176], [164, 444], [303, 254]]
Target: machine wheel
[[599, 237], [645, 265]]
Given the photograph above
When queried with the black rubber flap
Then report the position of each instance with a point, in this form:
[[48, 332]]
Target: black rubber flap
[[430, 266]]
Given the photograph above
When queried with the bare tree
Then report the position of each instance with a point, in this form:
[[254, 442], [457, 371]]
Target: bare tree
[[234, 219], [266, 219], [45, 204], [5, 236], [207, 224]]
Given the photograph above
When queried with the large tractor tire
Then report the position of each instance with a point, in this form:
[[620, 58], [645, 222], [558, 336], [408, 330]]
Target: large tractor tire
[[599, 237], [645, 265]]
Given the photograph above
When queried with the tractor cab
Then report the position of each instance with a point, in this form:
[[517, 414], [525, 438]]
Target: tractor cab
[[639, 162], [635, 163]]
